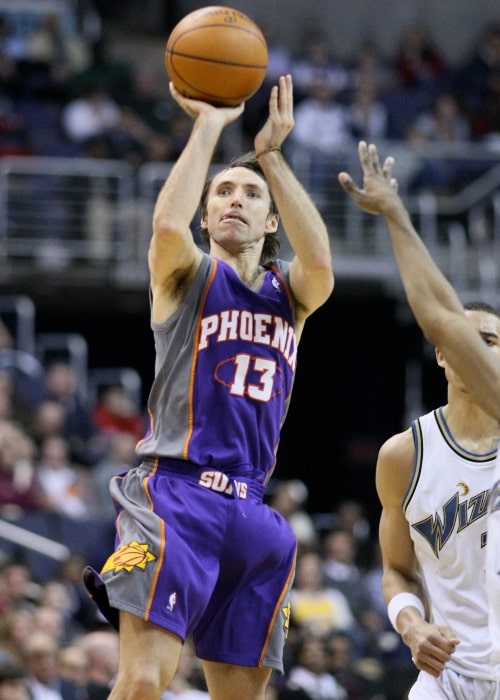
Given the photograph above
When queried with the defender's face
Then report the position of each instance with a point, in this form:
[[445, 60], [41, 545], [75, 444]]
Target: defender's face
[[488, 327]]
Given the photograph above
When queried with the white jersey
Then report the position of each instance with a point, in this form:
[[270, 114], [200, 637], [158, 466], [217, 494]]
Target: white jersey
[[493, 567], [446, 505]]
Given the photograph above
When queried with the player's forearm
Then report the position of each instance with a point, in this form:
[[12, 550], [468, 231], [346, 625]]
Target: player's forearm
[[302, 223], [430, 295], [179, 197], [404, 597]]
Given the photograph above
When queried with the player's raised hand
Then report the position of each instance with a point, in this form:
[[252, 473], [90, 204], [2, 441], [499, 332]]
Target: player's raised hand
[[380, 188]]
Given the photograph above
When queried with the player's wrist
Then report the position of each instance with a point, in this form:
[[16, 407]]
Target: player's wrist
[[265, 151], [399, 602]]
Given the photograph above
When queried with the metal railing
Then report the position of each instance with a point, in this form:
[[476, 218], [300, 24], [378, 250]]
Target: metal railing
[[64, 214]]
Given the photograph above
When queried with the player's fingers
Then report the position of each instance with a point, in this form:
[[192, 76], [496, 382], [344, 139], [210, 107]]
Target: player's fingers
[[429, 664], [374, 158], [287, 104], [387, 167], [346, 182], [364, 157]]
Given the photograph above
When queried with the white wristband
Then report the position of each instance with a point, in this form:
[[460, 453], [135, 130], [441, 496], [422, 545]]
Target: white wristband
[[403, 600]]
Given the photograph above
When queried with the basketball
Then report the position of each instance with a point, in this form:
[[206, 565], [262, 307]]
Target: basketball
[[218, 55]]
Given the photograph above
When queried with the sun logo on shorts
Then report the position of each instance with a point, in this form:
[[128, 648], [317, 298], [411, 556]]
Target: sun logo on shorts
[[129, 556], [286, 614]]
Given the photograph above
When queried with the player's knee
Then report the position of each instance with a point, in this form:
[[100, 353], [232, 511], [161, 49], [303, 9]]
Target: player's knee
[[140, 685]]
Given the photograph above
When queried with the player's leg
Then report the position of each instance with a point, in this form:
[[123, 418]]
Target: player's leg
[[227, 682], [148, 659]]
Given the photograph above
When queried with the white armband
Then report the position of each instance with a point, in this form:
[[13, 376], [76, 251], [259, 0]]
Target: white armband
[[403, 600]]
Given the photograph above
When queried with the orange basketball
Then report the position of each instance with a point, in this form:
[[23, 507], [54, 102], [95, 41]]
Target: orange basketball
[[218, 55]]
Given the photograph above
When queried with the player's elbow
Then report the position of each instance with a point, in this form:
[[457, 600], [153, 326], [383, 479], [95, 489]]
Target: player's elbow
[[163, 225]]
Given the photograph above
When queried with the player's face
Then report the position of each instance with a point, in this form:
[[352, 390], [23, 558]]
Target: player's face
[[488, 327], [238, 209]]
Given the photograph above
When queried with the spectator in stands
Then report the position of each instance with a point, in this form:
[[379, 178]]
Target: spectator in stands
[[18, 590], [26, 372], [419, 64], [49, 619], [67, 487], [101, 647], [13, 684], [16, 625], [309, 677], [350, 515], [436, 134], [55, 55], [445, 121], [321, 120], [316, 608], [48, 419], [148, 98], [78, 425], [317, 64], [347, 669], [69, 574], [491, 115], [321, 139], [476, 75], [371, 67], [40, 655], [72, 666], [288, 497], [341, 569], [13, 407], [96, 114], [56, 595], [12, 52], [18, 489], [279, 63], [114, 411], [119, 458], [367, 115]]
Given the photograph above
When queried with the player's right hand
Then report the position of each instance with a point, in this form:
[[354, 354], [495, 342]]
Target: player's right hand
[[431, 646], [196, 107]]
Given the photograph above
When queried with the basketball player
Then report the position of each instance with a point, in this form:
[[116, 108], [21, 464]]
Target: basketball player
[[452, 650], [198, 552], [433, 480]]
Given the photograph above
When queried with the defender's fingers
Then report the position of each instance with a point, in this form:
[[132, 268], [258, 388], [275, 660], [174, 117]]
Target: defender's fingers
[[346, 181], [387, 168], [374, 160]]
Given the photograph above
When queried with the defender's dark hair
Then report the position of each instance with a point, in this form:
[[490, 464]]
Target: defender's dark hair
[[481, 306], [247, 160]]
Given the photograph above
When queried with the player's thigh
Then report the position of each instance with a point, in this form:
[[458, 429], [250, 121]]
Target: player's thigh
[[227, 681], [149, 654]]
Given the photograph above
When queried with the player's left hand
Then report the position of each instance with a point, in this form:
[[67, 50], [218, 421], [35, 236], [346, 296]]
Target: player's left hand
[[280, 121]]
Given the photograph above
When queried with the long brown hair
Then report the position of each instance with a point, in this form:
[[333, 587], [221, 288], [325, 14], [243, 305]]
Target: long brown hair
[[247, 160]]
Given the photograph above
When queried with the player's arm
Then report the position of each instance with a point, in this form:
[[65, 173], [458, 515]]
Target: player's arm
[[430, 645], [311, 274], [431, 297], [173, 255]]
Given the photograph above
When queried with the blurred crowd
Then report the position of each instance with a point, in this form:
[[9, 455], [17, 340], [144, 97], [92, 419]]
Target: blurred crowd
[[63, 94]]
